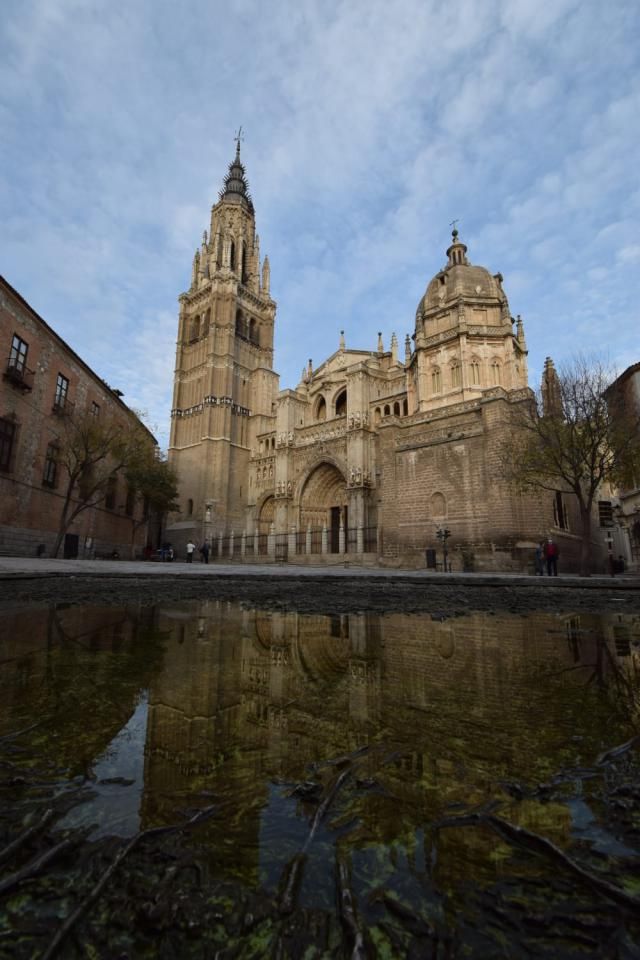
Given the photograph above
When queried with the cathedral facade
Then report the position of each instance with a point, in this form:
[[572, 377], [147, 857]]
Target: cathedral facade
[[377, 454]]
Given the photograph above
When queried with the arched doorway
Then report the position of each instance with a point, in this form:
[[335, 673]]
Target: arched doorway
[[324, 504], [265, 521]]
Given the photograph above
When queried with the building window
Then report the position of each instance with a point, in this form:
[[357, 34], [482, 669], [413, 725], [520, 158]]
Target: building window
[[189, 507], [436, 380], [50, 475], [605, 513], [396, 409], [7, 443], [560, 512], [475, 372], [62, 388], [321, 409], [18, 355], [341, 404], [496, 373], [456, 378], [110, 498], [95, 409], [387, 410]]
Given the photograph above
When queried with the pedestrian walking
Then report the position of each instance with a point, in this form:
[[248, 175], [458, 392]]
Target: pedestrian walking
[[551, 557], [204, 552], [190, 550]]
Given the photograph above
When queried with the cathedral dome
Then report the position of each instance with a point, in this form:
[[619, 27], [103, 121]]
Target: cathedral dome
[[460, 279]]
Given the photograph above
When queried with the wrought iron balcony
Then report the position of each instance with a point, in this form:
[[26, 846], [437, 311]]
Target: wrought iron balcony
[[18, 374], [62, 407]]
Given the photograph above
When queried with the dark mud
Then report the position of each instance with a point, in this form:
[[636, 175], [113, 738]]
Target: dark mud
[[327, 594]]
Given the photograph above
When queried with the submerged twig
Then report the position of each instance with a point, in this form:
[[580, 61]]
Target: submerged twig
[[348, 915], [533, 841], [11, 848], [95, 892], [34, 866], [18, 733], [618, 751]]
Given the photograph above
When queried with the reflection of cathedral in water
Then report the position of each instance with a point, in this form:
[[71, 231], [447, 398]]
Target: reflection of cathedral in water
[[246, 696]]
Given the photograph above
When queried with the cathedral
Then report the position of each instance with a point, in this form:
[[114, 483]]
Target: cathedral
[[377, 455]]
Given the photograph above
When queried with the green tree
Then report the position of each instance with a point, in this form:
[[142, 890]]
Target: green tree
[[573, 438], [153, 484], [92, 452]]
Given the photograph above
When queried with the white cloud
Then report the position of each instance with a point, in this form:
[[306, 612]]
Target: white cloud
[[368, 128]]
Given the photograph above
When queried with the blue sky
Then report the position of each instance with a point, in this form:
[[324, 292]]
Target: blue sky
[[369, 126]]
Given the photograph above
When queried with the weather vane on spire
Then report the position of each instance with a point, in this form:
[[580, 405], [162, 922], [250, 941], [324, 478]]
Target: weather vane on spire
[[239, 138]]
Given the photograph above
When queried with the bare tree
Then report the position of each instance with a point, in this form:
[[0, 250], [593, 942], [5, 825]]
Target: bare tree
[[92, 451], [573, 438]]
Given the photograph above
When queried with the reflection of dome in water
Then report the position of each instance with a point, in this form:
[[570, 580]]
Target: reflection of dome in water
[[445, 645]]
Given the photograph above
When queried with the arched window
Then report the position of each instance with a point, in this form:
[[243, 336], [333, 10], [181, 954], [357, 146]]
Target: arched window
[[376, 415], [341, 404], [243, 265], [396, 409], [436, 380], [240, 324], [474, 369], [253, 331], [232, 255], [321, 408], [456, 377], [195, 329], [206, 323], [405, 408], [496, 373], [387, 409], [438, 505]]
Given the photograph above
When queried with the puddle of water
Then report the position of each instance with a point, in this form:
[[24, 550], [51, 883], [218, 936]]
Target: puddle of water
[[164, 710]]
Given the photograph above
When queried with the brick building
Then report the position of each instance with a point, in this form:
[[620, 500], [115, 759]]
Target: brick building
[[44, 381], [372, 452]]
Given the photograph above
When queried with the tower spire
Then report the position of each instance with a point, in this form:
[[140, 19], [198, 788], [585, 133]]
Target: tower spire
[[236, 185]]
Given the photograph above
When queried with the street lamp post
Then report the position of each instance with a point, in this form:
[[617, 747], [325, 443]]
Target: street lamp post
[[443, 534]]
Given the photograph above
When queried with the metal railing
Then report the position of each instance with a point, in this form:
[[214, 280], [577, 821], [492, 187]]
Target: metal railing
[[286, 547], [18, 374]]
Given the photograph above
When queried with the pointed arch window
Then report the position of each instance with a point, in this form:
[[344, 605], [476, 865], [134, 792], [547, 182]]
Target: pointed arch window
[[396, 409], [474, 369], [496, 372], [341, 404], [321, 408], [232, 255], [436, 380], [456, 375]]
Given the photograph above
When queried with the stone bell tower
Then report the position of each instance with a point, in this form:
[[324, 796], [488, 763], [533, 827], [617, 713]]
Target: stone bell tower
[[224, 384]]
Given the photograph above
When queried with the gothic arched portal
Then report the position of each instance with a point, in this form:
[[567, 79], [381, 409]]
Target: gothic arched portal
[[324, 503]]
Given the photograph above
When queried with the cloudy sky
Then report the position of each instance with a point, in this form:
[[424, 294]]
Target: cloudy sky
[[369, 126]]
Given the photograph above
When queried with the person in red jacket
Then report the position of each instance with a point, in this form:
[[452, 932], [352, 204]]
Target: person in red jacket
[[551, 557]]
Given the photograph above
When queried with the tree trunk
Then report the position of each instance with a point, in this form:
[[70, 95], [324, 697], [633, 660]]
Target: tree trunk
[[586, 561], [65, 520]]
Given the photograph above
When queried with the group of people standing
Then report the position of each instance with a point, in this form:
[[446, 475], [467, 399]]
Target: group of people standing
[[204, 551], [546, 556]]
